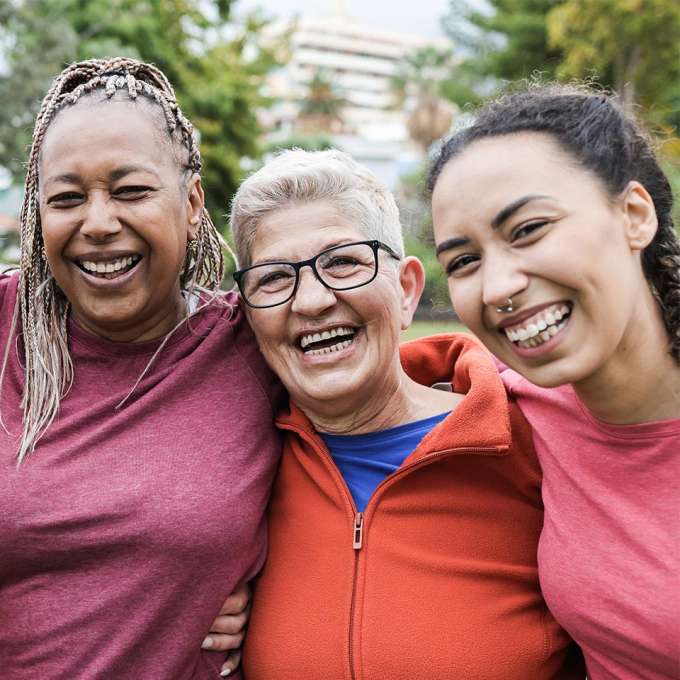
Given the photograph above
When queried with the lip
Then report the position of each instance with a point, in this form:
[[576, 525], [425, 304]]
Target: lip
[[104, 255], [108, 284], [514, 319]]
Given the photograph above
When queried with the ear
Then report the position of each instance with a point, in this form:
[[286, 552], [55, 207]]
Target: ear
[[195, 202], [412, 280], [640, 217]]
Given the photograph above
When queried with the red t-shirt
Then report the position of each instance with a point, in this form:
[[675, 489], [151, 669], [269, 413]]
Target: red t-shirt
[[125, 530]]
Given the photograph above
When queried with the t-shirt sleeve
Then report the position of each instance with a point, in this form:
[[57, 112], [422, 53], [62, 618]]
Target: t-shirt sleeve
[[9, 283]]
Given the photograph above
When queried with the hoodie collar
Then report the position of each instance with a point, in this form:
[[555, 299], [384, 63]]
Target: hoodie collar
[[479, 424]]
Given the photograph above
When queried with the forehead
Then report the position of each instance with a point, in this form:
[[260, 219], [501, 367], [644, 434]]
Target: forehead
[[492, 172], [301, 230], [91, 132]]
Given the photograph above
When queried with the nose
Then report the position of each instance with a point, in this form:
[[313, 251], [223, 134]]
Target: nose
[[100, 222], [502, 278], [311, 297]]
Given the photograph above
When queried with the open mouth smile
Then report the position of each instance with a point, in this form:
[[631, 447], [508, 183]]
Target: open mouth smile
[[327, 341], [540, 327], [109, 269]]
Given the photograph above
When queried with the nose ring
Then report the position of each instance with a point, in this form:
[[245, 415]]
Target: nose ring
[[507, 307]]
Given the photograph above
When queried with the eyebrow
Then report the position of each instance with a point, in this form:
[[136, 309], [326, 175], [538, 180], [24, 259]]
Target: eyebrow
[[513, 207], [121, 172], [270, 260], [114, 175], [502, 216]]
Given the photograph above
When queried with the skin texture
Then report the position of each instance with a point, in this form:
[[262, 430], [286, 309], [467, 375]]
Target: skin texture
[[569, 243], [362, 387], [109, 187]]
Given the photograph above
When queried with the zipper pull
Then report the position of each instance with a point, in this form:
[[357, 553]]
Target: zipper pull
[[358, 530]]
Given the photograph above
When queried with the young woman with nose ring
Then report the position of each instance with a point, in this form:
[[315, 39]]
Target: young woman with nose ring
[[553, 223]]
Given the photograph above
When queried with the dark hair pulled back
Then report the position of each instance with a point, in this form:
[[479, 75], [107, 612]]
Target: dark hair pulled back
[[594, 130]]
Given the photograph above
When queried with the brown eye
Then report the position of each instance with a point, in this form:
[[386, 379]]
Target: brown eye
[[65, 199], [461, 264], [527, 230], [131, 193]]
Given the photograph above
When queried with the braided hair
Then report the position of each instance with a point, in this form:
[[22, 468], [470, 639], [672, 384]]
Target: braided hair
[[594, 130], [42, 308]]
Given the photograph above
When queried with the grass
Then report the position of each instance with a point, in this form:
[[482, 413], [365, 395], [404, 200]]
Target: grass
[[420, 328]]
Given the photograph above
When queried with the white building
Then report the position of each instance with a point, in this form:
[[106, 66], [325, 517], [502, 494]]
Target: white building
[[360, 61]]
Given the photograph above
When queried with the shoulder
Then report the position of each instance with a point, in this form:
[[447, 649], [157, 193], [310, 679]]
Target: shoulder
[[229, 307], [543, 407], [9, 283]]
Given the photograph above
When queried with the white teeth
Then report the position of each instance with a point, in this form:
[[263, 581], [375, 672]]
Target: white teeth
[[329, 350], [308, 339], [540, 329], [544, 337], [107, 267]]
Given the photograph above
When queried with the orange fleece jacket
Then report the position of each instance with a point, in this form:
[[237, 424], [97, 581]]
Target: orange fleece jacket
[[438, 577]]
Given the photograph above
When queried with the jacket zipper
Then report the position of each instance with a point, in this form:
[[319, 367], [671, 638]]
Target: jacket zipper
[[358, 531], [358, 524]]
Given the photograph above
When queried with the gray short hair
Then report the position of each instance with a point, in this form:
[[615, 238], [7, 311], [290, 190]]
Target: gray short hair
[[298, 176]]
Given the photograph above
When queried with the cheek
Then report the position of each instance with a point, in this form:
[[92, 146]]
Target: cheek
[[466, 299]]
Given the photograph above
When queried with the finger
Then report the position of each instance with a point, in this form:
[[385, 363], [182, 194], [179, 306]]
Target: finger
[[220, 642], [231, 664], [237, 601], [231, 625]]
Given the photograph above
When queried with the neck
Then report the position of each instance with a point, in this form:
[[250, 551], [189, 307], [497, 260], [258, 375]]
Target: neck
[[641, 381], [391, 403], [150, 328]]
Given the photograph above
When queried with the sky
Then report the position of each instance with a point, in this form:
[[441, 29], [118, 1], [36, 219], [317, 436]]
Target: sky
[[420, 17]]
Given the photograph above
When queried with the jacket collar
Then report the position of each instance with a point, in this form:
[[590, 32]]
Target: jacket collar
[[480, 423]]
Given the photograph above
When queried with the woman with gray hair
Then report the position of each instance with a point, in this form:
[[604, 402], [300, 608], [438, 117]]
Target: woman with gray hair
[[121, 452], [406, 512]]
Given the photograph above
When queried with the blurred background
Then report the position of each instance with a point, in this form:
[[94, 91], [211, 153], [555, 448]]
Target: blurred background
[[381, 80]]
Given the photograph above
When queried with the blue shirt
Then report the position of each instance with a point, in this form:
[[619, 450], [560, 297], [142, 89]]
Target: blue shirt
[[366, 459]]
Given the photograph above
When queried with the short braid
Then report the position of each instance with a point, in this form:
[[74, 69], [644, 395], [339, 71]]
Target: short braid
[[42, 309]]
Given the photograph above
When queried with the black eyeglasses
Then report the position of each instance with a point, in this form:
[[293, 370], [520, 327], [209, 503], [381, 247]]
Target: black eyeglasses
[[343, 267]]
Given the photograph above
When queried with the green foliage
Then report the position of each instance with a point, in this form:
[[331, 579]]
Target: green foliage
[[217, 69], [630, 46], [640, 59], [310, 142], [436, 293], [503, 39]]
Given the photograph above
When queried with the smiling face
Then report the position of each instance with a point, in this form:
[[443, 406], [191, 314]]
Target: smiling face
[[351, 337], [516, 217], [116, 216]]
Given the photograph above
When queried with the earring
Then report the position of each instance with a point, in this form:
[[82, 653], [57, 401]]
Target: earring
[[507, 307]]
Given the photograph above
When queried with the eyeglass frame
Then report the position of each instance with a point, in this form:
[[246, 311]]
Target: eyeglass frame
[[311, 262]]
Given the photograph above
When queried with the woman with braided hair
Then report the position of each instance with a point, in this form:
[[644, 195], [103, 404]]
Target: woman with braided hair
[[122, 451], [553, 223]]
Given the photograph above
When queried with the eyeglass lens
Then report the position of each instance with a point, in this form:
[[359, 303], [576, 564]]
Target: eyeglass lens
[[340, 268]]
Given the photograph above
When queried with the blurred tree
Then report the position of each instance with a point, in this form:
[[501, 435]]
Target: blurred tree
[[216, 66], [502, 39], [420, 84], [632, 45], [321, 110]]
